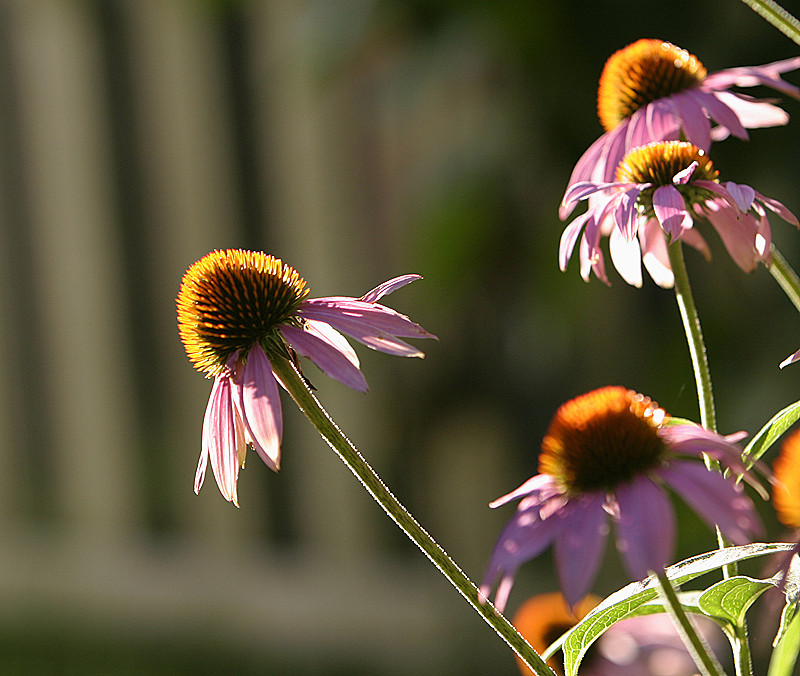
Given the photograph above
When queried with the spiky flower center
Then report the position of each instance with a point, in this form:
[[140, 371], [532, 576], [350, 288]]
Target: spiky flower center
[[642, 72], [601, 439], [659, 162], [786, 492], [230, 300]]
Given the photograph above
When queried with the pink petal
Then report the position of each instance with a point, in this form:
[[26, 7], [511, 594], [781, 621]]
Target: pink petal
[[717, 500], [569, 237], [372, 324], [737, 231], [259, 404], [751, 76], [753, 113], [655, 255], [778, 208], [579, 545], [694, 122], [670, 209], [791, 359], [329, 350], [742, 194], [627, 258], [388, 287], [719, 112], [219, 439], [645, 527]]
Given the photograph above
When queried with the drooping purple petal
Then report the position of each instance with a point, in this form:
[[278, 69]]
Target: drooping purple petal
[[219, 439], [329, 350], [540, 487], [529, 532], [655, 255], [694, 122], [778, 208], [625, 212], [670, 210], [645, 527], [719, 112], [579, 545], [388, 287], [258, 401], [569, 237], [737, 231], [717, 500], [753, 113], [372, 324], [751, 76]]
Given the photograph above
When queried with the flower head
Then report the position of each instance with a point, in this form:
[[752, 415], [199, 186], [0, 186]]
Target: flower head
[[610, 454], [654, 91], [657, 193], [237, 311]]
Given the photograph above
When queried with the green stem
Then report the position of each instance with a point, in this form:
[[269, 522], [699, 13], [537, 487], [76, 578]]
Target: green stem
[[295, 384], [788, 280], [742, 660], [694, 336], [777, 16], [700, 653]]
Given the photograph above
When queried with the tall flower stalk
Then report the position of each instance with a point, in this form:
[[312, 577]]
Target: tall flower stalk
[[297, 388]]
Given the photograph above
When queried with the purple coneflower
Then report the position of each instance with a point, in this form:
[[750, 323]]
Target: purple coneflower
[[239, 309], [658, 192], [654, 91], [610, 454]]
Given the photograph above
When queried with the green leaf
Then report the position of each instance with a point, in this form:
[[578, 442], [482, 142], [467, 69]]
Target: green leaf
[[730, 599], [628, 600], [771, 432], [784, 657]]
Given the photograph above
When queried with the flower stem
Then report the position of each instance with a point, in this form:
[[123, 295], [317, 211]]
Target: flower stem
[[694, 336], [777, 16], [700, 653], [296, 385], [788, 280]]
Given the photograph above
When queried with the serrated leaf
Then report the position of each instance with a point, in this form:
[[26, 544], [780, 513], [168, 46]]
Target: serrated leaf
[[730, 599], [771, 432], [627, 600]]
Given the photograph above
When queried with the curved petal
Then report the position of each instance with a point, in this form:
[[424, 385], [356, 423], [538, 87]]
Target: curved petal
[[694, 122], [655, 255], [388, 287], [259, 404], [753, 113], [778, 208], [627, 257], [737, 231], [645, 527], [529, 532], [579, 545], [717, 500], [569, 237], [791, 359], [719, 112], [326, 348], [751, 76], [540, 487], [742, 194], [670, 210], [219, 438]]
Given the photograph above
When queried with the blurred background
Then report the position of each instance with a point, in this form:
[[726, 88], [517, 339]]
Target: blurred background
[[357, 140]]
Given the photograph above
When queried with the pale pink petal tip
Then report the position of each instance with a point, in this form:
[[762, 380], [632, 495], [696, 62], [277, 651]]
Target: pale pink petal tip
[[791, 359]]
